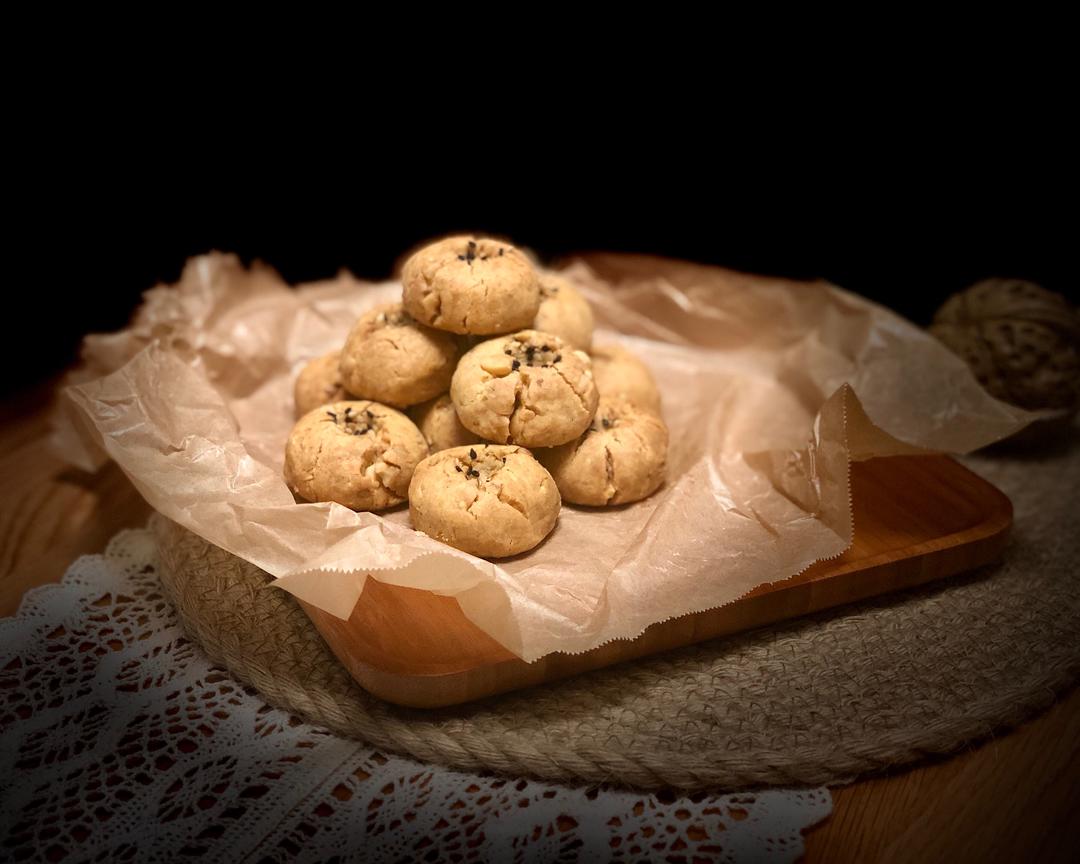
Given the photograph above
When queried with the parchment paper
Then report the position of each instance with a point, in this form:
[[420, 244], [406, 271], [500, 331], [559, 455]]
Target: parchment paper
[[769, 387]]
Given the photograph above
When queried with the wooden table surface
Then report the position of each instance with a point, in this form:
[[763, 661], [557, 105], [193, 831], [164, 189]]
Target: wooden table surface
[[1013, 798]]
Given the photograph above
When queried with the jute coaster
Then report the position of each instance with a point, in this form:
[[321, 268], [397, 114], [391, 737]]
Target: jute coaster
[[820, 700]]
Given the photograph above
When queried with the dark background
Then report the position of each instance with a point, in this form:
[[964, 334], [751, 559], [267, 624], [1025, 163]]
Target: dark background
[[906, 226], [903, 172]]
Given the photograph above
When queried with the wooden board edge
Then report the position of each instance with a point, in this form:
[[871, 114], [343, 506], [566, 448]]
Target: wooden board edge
[[937, 558], [446, 689]]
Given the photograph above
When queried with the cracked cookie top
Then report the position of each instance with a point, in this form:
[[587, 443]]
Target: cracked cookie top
[[490, 500], [529, 388], [471, 285], [563, 311], [621, 457], [391, 358], [319, 382], [358, 453]]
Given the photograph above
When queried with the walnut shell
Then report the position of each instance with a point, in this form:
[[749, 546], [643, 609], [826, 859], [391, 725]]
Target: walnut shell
[[1021, 341]]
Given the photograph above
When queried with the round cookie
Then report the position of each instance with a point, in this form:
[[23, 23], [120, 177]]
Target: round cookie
[[357, 453], [563, 311], [489, 500], [319, 382], [439, 424], [470, 285], [391, 358], [621, 458], [529, 388], [619, 373]]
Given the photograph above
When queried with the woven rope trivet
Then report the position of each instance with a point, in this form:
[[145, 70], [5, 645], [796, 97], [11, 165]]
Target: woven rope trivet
[[820, 700]]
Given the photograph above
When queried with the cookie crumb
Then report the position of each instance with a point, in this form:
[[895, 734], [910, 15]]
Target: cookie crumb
[[353, 424], [392, 319], [529, 354]]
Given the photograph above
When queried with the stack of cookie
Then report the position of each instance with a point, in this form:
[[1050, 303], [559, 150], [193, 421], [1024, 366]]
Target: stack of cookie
[[510, 408]]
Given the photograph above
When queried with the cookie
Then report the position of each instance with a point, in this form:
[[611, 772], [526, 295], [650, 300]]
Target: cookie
[[391, 358], [357, 453], [319, 382], [619, 373], [563, 311], [489, 500], [529, 388], [620, 458], [439, 424], [471, 285]]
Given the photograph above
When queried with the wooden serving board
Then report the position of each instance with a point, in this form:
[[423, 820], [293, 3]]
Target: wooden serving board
[[917, 518]]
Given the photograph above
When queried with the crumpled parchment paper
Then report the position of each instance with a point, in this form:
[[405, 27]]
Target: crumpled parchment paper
[[769, 388]]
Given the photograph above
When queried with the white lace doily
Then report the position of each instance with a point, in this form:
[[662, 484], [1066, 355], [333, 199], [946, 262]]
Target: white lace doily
[[120, 742]]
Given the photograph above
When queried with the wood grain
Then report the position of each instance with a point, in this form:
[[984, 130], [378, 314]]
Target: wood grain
[[1016, 798], [51, 514], [917, 518]]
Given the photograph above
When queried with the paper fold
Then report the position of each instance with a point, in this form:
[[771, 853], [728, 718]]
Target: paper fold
[[769, 388]]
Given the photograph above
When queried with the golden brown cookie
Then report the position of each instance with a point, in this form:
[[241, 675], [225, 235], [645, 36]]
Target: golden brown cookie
[[318, 383], [489, 499], [470, 285], [358, 453], [563, 311], [391, 358], [620, 458], [439, 424], [619, 373], [529, 388]]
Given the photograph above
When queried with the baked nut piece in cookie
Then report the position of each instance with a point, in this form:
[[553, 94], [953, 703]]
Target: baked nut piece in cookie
[[391, 358], [471, 285], [529, 388], [563, 311], [489, 499], [319, 382], [439, 424], [357, 453], [621, 458], [619, 373]]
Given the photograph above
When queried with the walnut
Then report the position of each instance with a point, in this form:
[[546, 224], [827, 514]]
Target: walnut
[[1021, 341]]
